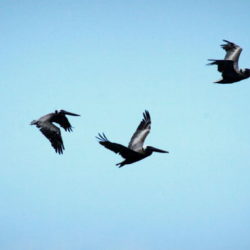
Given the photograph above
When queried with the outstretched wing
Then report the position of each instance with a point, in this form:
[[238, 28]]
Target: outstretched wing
[[54, 135], [62, 120], [223, 65], [115, 147], [226, 67], [138, 138], [232, 51]]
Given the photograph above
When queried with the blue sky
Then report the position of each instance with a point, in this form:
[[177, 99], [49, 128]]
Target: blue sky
[[109, 61]]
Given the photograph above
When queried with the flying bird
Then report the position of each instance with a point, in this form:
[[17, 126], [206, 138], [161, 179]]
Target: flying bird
[[52, 132], [135, 150], [229, 66]]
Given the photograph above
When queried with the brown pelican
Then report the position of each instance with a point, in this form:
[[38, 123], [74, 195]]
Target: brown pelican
[[135, 151], [52, 132], [229, 66]]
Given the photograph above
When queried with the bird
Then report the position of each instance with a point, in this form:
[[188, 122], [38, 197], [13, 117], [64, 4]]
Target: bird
[[229, 66], [52, 132], [135, 150]]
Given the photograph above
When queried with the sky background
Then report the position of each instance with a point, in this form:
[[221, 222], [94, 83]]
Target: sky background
[[109, 61]]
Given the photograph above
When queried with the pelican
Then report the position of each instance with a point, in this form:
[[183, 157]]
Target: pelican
[[135, 150], [52, 132], [229, 66]]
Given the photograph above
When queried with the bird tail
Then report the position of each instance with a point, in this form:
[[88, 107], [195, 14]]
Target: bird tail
[[121, 164]]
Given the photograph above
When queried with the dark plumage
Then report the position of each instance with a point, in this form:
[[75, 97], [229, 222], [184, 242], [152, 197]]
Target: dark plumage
[[135, 151], [52, 132], [229, 66]]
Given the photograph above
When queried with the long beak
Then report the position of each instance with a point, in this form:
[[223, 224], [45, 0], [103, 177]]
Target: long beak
[[158, 150], [69, 113]]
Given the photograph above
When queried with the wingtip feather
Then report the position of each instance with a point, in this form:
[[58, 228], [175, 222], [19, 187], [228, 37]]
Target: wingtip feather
[[102, 137]]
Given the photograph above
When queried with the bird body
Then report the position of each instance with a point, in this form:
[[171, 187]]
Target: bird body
[[52, 132], [135, 150], [229, 65]]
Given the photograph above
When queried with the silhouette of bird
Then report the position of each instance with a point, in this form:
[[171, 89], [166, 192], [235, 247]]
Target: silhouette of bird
[[135, 150], [229, 66], [52, 132]]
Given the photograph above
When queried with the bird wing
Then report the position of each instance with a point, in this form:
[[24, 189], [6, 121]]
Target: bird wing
[[139, 136], [115, 147], [63, 121], [54, 135], [232, 51], [226, 67], [229, 66]]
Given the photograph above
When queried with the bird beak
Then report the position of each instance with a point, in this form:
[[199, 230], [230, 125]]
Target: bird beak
[[69, 113], [33, 122], [158, 150]]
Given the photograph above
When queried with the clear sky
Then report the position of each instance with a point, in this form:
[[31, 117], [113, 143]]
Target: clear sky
[[109, 61]]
